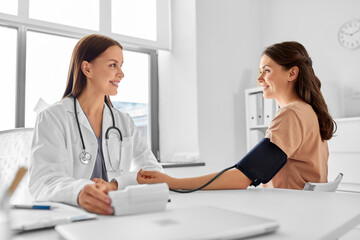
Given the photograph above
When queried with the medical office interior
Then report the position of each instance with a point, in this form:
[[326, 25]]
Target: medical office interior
[[207, 55]]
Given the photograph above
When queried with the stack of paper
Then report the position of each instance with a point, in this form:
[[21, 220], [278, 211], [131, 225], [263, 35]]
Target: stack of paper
[[31, 219]]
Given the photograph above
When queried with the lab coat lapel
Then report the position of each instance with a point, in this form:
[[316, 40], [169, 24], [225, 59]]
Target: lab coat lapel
[[88, 136], [84, 122], [107, 122], [69, 106]]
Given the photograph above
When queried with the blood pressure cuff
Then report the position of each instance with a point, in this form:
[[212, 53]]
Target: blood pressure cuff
[[262, 163]]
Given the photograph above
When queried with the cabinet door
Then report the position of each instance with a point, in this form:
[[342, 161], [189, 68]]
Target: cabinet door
[[344, 151]]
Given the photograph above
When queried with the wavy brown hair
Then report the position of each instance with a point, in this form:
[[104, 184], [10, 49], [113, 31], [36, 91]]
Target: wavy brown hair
[[307, 85], [87, 49]]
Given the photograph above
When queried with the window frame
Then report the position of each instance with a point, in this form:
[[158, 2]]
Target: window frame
[[23, 23]]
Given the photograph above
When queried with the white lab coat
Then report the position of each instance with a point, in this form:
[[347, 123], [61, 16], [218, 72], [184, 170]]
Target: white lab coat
[[56, 173]]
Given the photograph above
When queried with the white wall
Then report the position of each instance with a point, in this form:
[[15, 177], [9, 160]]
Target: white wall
[[221, 60], [316, 24], [178, 85], [228, 39]]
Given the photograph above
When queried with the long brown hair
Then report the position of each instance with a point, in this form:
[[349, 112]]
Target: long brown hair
[[87, 49], [307, 85]]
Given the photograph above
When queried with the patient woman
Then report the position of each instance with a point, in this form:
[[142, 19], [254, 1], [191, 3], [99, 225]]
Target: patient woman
[[294, 150]]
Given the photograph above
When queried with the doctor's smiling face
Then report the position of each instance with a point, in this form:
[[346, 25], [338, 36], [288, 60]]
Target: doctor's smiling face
[[104, 73]]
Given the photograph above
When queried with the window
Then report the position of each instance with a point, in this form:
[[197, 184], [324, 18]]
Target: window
[[47, 67], [79, 13], [37, 44], [9, 7], [141, 14], [133, 91], [8, 41]]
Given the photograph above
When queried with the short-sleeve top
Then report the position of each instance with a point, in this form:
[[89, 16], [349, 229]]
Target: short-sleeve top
[[295, 130]]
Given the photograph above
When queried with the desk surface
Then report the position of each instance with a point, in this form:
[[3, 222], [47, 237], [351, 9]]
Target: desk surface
[[301, 214]]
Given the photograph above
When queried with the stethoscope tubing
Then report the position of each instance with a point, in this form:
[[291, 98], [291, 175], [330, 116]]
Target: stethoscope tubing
[[78, 124], [85, 157]]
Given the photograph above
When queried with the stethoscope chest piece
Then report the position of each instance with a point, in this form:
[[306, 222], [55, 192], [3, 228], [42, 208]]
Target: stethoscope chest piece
[[85, 157]]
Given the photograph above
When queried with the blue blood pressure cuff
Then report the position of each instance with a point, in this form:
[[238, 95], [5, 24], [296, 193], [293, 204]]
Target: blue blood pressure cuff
[[262, 163]]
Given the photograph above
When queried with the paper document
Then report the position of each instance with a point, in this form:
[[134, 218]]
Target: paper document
[[31, 219]]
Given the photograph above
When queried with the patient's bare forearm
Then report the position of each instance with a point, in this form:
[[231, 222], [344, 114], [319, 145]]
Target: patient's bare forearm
[[232, 179]]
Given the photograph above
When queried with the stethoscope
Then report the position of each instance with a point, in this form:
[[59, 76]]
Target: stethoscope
[[85, 157]]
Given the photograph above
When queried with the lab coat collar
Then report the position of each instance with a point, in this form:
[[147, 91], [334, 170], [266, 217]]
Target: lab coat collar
[[106, 122], [107, 119]]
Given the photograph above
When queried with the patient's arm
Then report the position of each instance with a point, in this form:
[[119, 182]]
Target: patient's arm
[[232, 179]]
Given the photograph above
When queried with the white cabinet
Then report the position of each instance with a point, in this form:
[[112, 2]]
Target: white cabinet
[[259, 113], [344, 151]]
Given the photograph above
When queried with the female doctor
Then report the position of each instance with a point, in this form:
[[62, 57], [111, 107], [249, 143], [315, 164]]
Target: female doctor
[[82, 142]]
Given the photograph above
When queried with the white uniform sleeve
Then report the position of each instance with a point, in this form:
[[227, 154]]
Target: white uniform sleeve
[[143, 158], [51, 165]]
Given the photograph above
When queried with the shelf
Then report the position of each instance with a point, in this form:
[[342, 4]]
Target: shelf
[[259, 127], [349, 119], [258, 112]]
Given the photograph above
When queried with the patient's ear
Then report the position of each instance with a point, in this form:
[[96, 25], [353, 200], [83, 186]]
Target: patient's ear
[[293, 73], [85, 68]]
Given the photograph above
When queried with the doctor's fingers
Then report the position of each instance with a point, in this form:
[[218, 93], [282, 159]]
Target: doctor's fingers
[[98, 180], [103, 185], [91, 195], [98, 210], [92, 204], [99, 191]]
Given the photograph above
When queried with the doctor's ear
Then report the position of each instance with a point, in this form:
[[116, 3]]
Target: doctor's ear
[[293, 73], [85, 68]]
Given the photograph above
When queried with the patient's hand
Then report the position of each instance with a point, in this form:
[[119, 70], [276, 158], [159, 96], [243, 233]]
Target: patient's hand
[[153, 177]]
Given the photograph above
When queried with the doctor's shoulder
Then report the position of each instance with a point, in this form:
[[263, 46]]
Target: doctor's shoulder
[[52, 112]]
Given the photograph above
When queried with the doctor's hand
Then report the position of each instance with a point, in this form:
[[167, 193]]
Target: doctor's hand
[[110, 186], [94, 198], [144, 177]]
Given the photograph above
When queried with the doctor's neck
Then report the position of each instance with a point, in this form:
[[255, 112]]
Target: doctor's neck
[[92, 104]]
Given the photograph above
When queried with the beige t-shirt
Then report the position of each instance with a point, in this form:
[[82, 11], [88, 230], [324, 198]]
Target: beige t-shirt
[[295, 129]]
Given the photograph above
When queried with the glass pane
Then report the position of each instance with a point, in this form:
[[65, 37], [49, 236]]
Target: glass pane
[[8, 46], [79, 13], [133, 91], [47, 66], [136, 18], [9, 6]]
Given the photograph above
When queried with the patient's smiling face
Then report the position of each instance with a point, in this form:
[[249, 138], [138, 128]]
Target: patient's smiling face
[[273, 78]]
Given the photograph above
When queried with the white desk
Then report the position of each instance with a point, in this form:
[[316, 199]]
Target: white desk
[[301, 214]]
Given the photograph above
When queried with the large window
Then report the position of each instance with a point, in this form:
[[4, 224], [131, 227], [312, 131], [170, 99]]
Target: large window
[[9, 6], [79, 13], [133, 93], [141, 14], [46, 73], [8, 51], [47, 67], [37, 40]]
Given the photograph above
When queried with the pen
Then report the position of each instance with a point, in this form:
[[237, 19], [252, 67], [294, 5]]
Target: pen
[[29, 206]]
